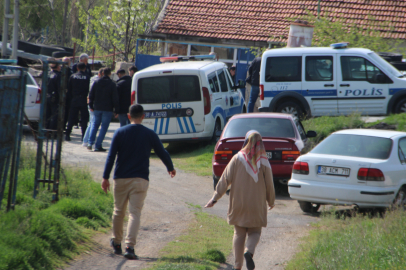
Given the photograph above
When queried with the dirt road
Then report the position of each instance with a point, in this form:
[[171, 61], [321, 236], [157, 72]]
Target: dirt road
[[166, 215]]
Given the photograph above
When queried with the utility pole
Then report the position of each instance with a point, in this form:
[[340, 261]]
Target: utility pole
[[15, 28], [7, 16]]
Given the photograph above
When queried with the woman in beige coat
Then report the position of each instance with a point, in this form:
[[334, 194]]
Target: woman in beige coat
[[250, 176]]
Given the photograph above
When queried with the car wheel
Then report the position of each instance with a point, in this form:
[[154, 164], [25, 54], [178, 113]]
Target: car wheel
[[401, 106], [308, 207], [400, 200], [292, 108], [215, 182], [217, 127]]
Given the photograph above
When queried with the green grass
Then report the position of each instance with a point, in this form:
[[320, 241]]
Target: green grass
[[360, 242], [203, 247], [395, 119], [193, 158], [40, 234]]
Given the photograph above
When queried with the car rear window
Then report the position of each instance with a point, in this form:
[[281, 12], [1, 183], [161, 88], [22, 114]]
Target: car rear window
[[267, 127], [355, 146], [166, 89]]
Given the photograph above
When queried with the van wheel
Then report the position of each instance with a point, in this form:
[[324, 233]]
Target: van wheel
[[308, 207], [292, 108], [400, 200], [217, 127], [401, 106]]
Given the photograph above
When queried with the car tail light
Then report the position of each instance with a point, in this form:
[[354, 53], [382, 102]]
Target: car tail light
[[38, 101], [290, 155], [368, 174], [300, 167], [132, 97], [223, 155], [206, 99], [261, 92]]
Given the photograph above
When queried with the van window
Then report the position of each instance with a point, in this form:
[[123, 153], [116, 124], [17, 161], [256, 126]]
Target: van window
[[354, 68], [213, 82], [283, 69], [222, 79], [165, 89], [30, 80], [319, 68]]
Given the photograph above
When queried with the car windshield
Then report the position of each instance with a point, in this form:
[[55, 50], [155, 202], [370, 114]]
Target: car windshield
[[385, 64], [355, 146], [267, 127]]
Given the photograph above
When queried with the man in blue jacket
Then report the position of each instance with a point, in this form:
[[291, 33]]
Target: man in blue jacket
[[132, 145]]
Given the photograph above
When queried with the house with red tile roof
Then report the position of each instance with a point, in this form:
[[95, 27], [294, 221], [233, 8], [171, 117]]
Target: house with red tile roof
[[231, 27]]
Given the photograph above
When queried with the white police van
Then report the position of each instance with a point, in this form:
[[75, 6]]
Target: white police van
[[187, 100], [330, 81]]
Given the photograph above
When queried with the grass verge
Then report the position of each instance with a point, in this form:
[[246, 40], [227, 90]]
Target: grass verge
[[202, 248], [360, 242], [40, 234], [395, 119]]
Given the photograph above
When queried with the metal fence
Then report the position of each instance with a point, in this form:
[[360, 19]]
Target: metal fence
[[49, 142], [12, 99]]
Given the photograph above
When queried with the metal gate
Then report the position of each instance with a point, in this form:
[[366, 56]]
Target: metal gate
[[12, 99], [49, 142]]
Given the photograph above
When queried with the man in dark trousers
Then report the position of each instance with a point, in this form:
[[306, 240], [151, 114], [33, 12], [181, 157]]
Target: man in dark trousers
[[253, 79], [67, 101], [54, 86], [124, 96], [103, 99], [131, 176], [78, 89]]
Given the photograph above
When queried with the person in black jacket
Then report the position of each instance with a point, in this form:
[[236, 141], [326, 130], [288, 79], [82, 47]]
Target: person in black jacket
[[83, 58], [54, 86], [253, 79], [103, 99], [124, 96], [78, 89]]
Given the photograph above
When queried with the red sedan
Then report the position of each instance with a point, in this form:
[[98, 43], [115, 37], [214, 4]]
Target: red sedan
[[283, 136]]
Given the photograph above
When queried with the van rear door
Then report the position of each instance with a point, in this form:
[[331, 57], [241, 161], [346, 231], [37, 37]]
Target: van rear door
[[169, 103]]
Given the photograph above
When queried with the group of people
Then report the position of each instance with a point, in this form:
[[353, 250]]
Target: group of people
[[96, 98]]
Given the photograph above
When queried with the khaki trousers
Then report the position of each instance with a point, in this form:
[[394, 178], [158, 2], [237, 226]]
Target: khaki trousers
[[240, 234], [130, 191]]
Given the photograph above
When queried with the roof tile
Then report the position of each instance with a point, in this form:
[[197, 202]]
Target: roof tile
[[263, 20]]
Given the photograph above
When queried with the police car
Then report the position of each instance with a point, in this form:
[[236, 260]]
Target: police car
[[330, 81], [187, 100]]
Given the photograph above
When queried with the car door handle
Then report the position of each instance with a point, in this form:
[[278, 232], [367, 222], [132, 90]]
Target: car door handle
[[329, 85], [218, 98], [347, 85]]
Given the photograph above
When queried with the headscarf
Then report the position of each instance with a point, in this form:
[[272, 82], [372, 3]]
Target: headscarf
[[253, 154]]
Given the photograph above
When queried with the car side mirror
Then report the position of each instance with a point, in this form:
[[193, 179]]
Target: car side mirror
[[311, 134], [218, 133]]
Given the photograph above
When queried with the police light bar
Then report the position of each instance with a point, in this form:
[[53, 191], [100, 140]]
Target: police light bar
[[341, 45], [186, 58]]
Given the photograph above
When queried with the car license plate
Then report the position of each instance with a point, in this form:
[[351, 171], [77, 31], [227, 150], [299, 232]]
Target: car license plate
[[156, 114], [269, 155], [333, 171]]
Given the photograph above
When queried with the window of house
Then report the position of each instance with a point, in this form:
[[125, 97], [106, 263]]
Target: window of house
[[224, 53], [319, 68], [199, 50], [283, 69], [354, 68]]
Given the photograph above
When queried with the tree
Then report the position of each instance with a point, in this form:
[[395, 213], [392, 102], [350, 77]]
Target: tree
[[370, 34], [117, 24]]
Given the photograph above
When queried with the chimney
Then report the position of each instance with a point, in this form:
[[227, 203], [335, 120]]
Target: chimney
[[300, 34]]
